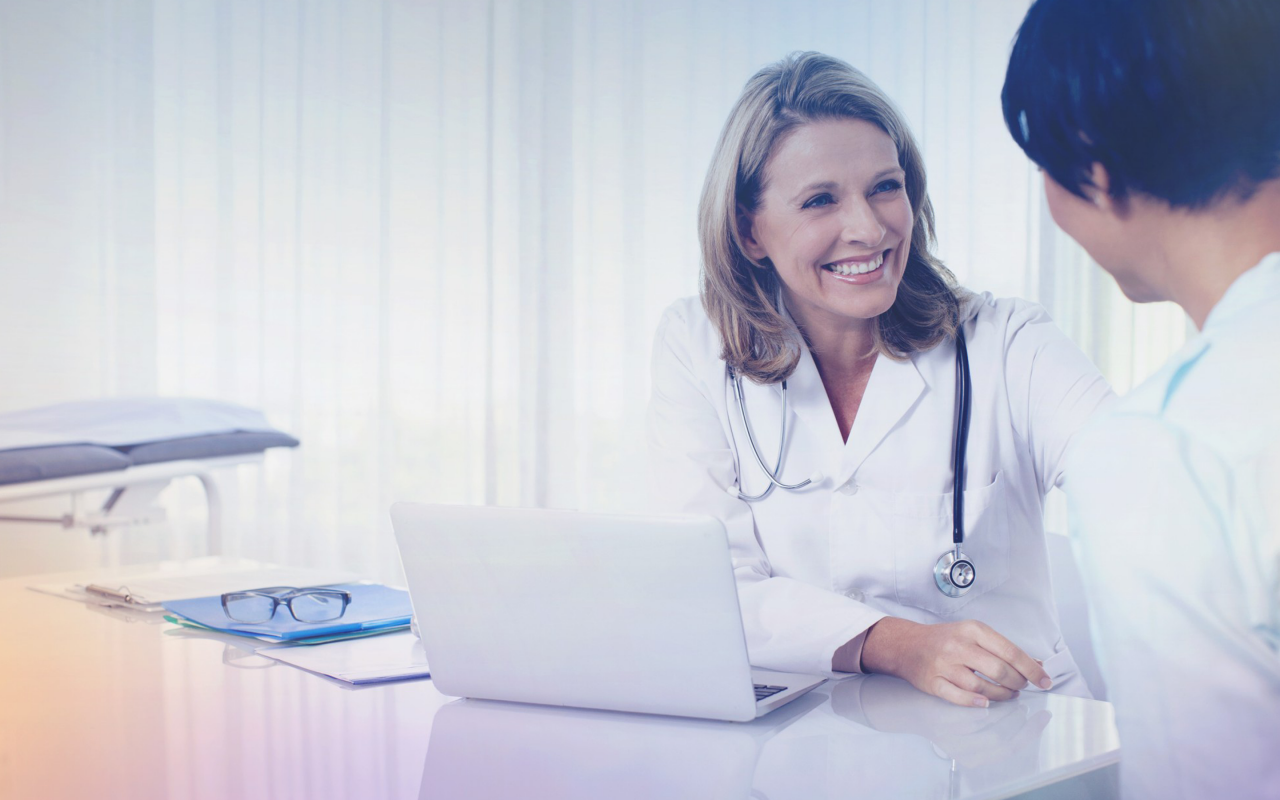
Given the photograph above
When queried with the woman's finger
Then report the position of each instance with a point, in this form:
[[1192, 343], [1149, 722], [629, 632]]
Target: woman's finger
[[967, 680], [954, 694], [997, 669], [1012, 655]]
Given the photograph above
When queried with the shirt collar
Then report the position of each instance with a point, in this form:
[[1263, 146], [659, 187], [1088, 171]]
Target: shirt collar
[[1261, 283]]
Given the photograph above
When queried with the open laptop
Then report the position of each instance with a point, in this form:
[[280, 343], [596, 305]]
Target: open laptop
[[565, 608]]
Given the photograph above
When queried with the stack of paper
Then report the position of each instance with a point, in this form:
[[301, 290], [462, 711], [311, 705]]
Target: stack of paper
[[395, 657]]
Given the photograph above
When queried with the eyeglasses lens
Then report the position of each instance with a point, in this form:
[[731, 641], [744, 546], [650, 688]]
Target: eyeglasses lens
[[317, 607], [250, 607]]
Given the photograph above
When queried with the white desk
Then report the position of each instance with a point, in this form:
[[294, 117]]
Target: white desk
[[95, 706]]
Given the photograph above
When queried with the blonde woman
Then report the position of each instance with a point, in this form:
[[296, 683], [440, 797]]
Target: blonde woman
[[826, 322]]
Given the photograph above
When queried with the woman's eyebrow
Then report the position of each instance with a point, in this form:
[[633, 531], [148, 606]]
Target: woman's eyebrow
[[824, 186], [827, 186]]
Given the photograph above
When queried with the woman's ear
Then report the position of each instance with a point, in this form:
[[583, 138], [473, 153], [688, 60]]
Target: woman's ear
[[1119, 208], [746, 232], [1099, 192]]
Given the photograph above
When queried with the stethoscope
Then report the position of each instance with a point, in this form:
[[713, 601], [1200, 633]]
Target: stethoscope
[[954, 573]]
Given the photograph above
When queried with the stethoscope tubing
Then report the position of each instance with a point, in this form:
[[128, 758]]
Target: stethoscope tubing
[[964, 389], [954, 573], [774, 480], [735, 381]]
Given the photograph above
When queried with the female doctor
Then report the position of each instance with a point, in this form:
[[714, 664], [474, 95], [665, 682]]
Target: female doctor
[[829, 349]]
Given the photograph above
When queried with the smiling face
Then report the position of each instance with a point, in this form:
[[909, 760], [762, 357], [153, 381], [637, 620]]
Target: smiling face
[[834, 220]]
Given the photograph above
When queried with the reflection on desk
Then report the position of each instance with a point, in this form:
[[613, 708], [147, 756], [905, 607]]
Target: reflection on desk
[[868, 736], [148, 711], [885, 739], [481, 749]]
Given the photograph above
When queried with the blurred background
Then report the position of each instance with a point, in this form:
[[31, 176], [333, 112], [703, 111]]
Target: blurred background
[[433, 239]]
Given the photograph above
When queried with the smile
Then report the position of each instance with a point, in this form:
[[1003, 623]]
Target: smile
[[855, 268]]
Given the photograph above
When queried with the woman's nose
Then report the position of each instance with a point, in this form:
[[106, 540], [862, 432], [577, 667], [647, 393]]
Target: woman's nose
[[861, 225]]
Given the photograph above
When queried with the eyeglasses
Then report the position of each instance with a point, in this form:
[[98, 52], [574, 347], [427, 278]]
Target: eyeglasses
[[306, 605]]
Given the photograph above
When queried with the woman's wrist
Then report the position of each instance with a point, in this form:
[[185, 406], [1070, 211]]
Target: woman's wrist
[[848, 658], [880, 647]]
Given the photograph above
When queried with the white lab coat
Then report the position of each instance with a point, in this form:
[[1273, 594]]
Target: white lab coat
[[817, 567]]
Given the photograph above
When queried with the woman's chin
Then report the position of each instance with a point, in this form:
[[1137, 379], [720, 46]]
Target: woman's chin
[[869, 302]]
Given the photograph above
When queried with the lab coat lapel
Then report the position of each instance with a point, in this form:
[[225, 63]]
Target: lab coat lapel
[[893, 390], [808, 399], [894, 387]]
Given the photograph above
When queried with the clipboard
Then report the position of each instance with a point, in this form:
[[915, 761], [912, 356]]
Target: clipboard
[[149, 590]]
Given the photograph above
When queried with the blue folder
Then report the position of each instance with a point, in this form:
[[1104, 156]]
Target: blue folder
[[373, 607]]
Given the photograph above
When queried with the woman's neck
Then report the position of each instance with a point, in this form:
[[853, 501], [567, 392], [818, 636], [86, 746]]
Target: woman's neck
[[844, 352], [842, 347]]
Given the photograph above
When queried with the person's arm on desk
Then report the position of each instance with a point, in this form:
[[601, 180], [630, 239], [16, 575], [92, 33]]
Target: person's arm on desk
[[943, 659]]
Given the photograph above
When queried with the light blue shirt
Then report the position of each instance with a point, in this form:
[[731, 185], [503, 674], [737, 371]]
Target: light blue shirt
[[1175, 509]]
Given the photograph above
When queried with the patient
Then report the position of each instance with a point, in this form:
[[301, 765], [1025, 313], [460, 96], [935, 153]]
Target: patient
[[1157, 126]]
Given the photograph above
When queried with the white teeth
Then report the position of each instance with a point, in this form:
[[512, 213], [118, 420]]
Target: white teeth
[[859, 269]]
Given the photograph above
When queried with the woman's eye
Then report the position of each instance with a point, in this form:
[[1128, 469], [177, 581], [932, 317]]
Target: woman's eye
[[819, 200], [891, 185]]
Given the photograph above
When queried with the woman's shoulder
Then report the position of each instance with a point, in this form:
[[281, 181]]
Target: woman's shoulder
[[683, 310], [686, 326], [685, 320], [1001, 318]]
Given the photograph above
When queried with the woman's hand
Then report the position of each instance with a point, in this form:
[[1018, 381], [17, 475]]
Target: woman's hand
[[943, 660]]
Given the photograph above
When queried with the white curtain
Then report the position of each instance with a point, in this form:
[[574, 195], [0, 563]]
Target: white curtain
[[432, 239]]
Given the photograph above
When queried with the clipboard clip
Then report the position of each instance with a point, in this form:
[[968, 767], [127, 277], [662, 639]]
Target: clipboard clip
[[122, 594]]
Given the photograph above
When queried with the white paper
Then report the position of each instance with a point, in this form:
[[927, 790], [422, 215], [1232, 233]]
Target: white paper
[[393, 656]]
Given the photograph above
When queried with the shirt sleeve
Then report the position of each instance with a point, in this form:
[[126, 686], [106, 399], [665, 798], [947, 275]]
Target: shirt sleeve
[[1053, 389], [790, 625], [1195, 683]]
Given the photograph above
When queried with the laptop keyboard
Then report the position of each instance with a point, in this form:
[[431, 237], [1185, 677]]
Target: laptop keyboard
[[763, 691]]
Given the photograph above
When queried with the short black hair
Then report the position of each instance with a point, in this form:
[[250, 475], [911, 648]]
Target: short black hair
[[1177, 99]]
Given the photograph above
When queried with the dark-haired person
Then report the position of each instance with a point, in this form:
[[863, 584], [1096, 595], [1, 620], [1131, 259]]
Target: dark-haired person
[[1157, 126], [828, 340]]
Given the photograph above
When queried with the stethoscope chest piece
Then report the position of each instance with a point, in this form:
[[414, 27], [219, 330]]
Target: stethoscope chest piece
[[954, 573]]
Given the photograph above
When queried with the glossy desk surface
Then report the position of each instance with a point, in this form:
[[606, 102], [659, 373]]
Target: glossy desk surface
[[100, 704]]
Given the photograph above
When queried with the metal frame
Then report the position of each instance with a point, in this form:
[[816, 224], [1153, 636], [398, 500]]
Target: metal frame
[[132, 501]]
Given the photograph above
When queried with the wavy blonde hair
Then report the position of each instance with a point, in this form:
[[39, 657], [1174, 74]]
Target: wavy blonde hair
[[740, 294]]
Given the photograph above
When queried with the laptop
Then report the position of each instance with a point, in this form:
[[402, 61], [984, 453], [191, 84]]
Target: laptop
[[566, 608]]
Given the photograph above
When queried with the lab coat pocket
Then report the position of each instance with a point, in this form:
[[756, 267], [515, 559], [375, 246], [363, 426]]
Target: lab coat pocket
[[920, 528]]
